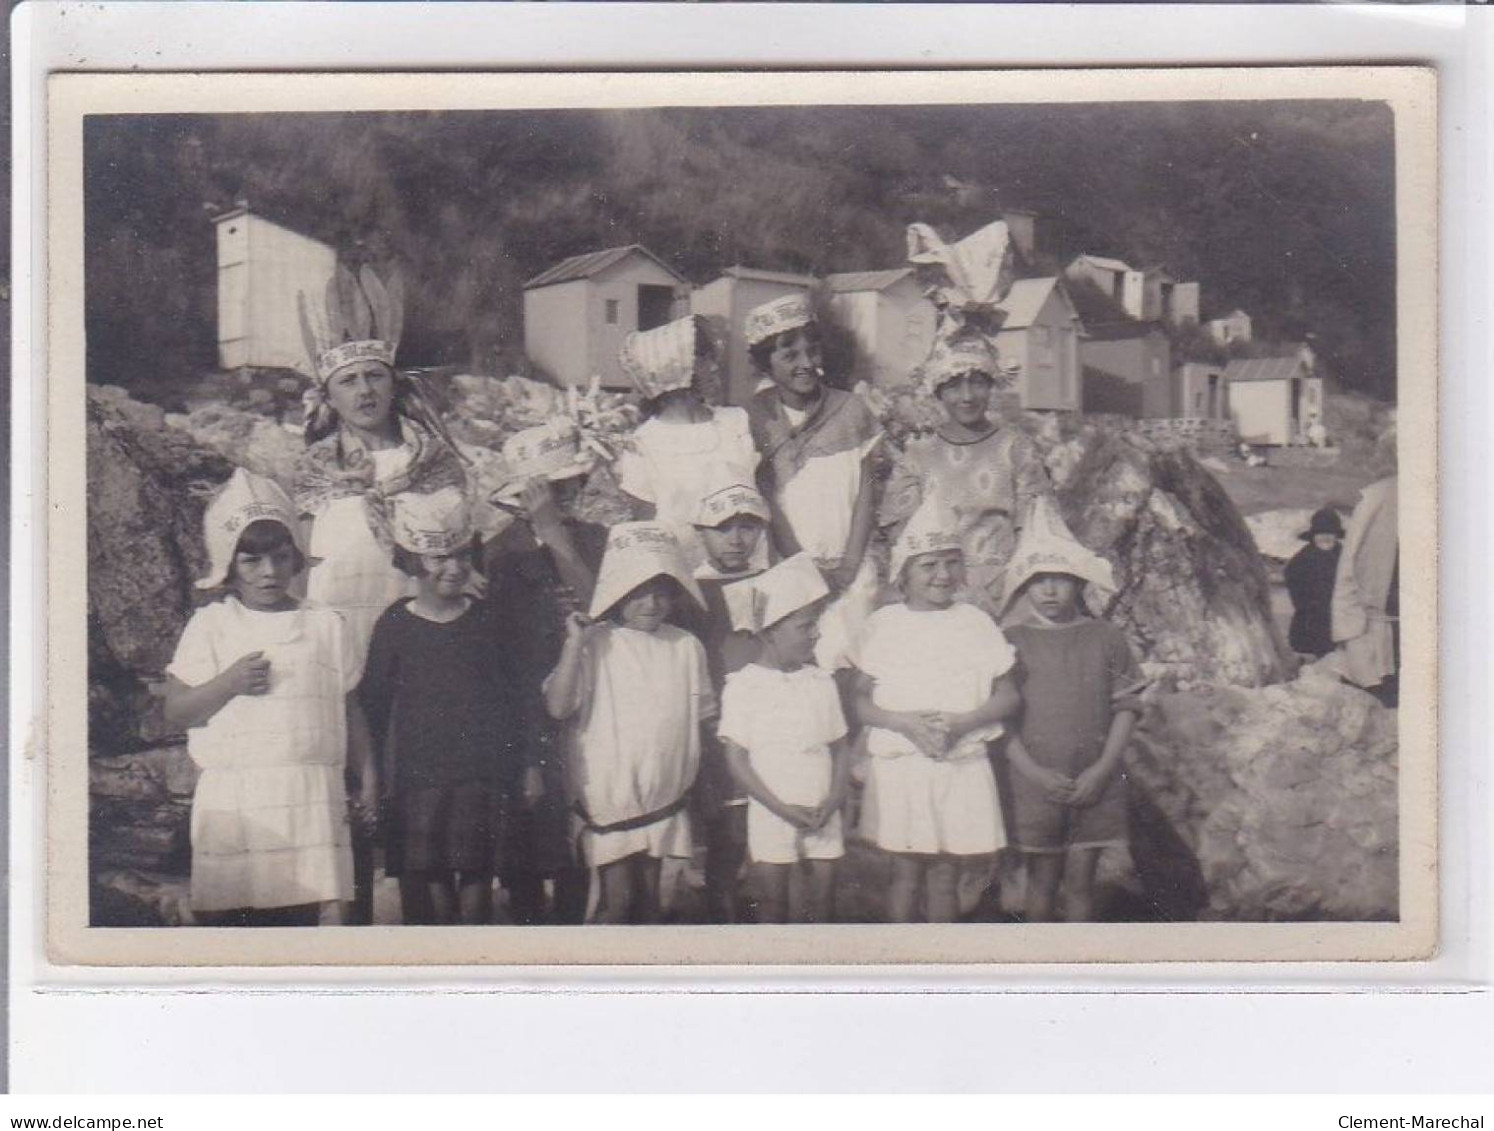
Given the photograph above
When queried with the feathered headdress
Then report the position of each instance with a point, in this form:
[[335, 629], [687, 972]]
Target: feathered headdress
[[360, 318]]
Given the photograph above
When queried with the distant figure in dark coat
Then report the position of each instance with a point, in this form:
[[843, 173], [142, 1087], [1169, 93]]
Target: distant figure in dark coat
[[1309, 581]]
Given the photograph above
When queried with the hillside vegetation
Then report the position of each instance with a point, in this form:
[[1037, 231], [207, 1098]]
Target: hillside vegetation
[[1285, 209]]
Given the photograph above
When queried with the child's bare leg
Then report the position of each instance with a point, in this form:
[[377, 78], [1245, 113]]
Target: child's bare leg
[[902, 893], [975, 876], [819, 903], [941, 877], [415, 900], [1081, 876], [475, 898], [646, 872], [615, 882], [1044, 873], [443, 899], [772, 883]]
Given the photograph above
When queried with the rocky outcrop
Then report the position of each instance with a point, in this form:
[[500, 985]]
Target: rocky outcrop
[[1276, 533], [1193, 594], [1275, 803], [147, 487], [245, 439]]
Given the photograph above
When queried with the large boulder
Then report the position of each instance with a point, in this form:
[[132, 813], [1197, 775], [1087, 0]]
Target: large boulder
[[244, 438], [1268, 804], [1192, 592], [147, 487]]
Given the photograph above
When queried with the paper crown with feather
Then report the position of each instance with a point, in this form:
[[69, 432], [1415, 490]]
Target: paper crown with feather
[[360, 318]]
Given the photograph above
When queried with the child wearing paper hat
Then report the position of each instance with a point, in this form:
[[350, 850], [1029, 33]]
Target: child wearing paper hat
[[731, 523], [444, 700], [634, 691], [262, 687], [934, 682], [817, 444], [687, 444], [986, 472], [785, 738], [1081, 698]]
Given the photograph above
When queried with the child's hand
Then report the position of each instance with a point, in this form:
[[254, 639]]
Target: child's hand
[[249, 675], [927, 731], [537, 501], [838, 574], [532, 790], [802, 816], [577, 625], [1059, 787], [1088, 787]]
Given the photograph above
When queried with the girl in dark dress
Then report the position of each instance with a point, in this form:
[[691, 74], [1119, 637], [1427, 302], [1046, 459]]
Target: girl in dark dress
[[1309, 581], [449, 716]]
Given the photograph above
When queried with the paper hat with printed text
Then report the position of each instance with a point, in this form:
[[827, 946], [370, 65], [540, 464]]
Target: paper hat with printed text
[[727, 502], [437, 523], [636, 552], [246, 498], [550, 451], [661, 360], [932, 527], [1048, 546], [958, 355], [777, 317], [762, 601]]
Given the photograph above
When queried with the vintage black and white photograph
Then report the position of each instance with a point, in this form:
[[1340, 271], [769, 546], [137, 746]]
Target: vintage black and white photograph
[[974, 506]]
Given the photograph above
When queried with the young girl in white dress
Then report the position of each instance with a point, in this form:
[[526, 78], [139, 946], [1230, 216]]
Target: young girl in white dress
[[934, 682], [688, 445], [634, 690], [263, 685], [784, 736]]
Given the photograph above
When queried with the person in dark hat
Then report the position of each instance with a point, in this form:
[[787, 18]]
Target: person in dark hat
[[1309, 581]]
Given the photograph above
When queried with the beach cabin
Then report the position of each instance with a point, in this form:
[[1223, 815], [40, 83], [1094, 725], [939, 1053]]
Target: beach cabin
[[1126, 369], [726, 301], [1201, 392], [262, 266], [1041, 334], [577, 313], [891, 320], [1274, 400], [1233, 327]]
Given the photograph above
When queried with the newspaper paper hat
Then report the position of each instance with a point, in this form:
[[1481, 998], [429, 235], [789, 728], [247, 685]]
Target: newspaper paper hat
[[728, 502], [550, 451], [1048, 546], [661, 360], [777, 317], [976, 271], [637, 551], [762, 601], [958, 355], [933, 527], [246, 498], [360, 318], [437, 523]]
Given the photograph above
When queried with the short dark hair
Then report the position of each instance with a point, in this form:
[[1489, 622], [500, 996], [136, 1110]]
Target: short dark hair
[[265, 536], [763, 350], [412, 564]]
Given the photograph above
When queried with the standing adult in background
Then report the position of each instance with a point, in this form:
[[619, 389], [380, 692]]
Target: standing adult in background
[[1366, 597], [371, 436]]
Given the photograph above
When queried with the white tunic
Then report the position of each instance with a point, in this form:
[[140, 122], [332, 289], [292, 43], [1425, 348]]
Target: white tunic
[[350, 571], [675, 465], [786, 722], [269, 815], [933, 660], [634, 742]]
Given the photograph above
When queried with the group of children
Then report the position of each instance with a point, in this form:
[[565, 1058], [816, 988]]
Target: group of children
[[726, 669]]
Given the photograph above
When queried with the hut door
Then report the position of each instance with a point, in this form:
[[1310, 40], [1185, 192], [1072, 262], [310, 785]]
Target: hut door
[[655, 304]]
